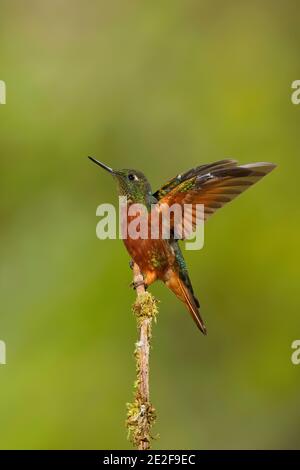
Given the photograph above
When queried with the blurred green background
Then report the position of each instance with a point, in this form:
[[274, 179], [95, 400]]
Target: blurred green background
[[159, 86]]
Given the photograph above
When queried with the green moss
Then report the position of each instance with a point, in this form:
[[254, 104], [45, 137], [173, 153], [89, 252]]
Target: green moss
[[140, 419], [141, 415], [144, 307]]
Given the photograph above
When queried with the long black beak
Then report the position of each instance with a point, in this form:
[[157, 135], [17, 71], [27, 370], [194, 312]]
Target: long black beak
[[105, 167]]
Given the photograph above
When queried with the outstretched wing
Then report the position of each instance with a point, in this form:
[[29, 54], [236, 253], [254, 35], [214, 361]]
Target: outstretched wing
[[190, 174], [212, 185]]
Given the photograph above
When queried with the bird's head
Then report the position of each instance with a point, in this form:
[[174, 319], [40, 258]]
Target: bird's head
[[131, 183]]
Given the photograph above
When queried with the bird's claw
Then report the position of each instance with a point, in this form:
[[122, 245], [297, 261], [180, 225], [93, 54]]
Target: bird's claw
[[137, 284], [131, 264]]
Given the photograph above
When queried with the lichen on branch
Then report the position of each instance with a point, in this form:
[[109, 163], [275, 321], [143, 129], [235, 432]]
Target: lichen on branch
[[145, 307], [141, 414]]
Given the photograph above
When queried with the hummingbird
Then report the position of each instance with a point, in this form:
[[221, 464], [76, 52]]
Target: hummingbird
[[213, 185]]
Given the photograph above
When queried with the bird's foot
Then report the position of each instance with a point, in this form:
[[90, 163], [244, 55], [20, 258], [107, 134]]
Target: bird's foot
[[131, 264], [137, 284]]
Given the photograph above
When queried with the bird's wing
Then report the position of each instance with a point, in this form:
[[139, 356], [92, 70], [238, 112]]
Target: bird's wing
[[198, 171], [212, 185]]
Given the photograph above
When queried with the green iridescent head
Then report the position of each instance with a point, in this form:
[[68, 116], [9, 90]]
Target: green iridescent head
[[131, 183]]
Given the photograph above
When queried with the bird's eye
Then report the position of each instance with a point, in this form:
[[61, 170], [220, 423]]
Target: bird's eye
[[131, 177]]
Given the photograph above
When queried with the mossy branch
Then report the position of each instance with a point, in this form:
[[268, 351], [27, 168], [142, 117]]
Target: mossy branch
[[141, 414]]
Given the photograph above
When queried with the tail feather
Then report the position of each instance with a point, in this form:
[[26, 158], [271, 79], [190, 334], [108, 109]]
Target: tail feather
[[183, 293]]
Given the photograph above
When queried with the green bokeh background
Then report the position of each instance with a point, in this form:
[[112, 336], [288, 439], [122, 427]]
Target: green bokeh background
[[159, 86]]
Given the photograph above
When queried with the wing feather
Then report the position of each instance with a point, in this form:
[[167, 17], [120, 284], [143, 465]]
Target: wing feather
[[212, 185]]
